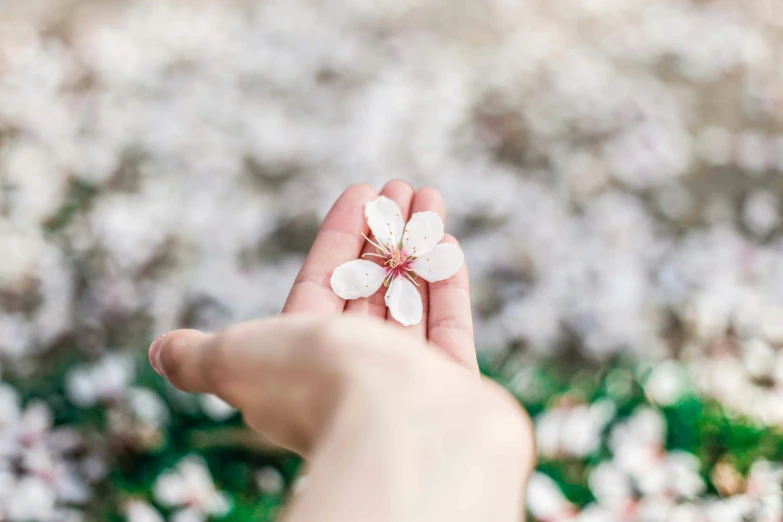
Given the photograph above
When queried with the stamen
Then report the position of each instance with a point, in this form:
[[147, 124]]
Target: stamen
[[374, 255], [376, 245], [408, 275]]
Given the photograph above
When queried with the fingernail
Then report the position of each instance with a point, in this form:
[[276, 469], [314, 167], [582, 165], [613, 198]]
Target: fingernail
[[155, 347]]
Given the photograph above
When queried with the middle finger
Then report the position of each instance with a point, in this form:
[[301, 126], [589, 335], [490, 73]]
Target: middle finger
[[402, 193]]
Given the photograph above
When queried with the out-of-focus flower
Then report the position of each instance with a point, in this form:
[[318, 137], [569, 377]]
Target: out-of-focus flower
[[32, 500], [572, 430], [39, 475], [106, 381], [765, 485], [638, 450], [147, 406], [642, 481], [140, 511], [216, 408], [761, 212], [189, 486], [666, 383], [270, 481], [613, 489], [546, 502]]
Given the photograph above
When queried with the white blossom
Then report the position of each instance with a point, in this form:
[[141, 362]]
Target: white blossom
[[105, 381], [666, 383], [270, 481], [572, 430], [140, 511], [189, 486], [409, 250], [216, 408]]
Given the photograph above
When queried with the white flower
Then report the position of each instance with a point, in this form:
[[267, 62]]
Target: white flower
[[300, 484], [140, 511], [216, 408], [639, 452], [32, 428], [666, 383], [102, 382], [147, 405], [573, 430], [761, 212], [32, 500], [59, 477], [190, 486], [612, 488], [10, 409], [408, 250], [270, 481], [545, 500], [765, 484]]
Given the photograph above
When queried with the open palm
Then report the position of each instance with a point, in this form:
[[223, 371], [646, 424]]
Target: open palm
[[446, 321]]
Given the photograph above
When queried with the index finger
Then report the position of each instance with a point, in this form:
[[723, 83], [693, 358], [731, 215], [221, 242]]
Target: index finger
[[338, 242]]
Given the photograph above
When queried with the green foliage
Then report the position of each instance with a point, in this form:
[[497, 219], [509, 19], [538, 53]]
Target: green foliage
[[234, 455], [695, 424]]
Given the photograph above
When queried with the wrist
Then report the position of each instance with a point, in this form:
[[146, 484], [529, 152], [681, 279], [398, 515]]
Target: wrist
[[458, 455]]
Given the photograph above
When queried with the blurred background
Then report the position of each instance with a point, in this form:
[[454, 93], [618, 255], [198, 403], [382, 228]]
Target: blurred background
[[613, 170]]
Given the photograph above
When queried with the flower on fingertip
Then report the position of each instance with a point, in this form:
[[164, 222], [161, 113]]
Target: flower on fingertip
[[408, 251]]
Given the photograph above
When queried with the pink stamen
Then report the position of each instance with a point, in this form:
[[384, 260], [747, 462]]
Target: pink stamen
[[397, 262]]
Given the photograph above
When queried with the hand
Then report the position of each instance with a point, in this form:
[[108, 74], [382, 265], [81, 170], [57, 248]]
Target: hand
[[447, 322], [393, 429]]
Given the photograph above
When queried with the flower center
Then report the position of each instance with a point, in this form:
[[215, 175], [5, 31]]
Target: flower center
[[397, 264], [395, 259]]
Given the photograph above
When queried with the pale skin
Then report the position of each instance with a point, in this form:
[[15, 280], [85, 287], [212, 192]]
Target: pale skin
[[395, 422]]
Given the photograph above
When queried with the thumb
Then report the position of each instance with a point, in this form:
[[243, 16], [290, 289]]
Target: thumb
[[180, 356], [284, 373]]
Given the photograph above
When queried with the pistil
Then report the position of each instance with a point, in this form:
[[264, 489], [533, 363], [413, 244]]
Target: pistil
[[397, 263]]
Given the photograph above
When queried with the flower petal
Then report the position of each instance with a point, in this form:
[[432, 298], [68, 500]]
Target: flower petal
[[355, 279], [385, 220], [422, 233], [440, 263], [404, 302]]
